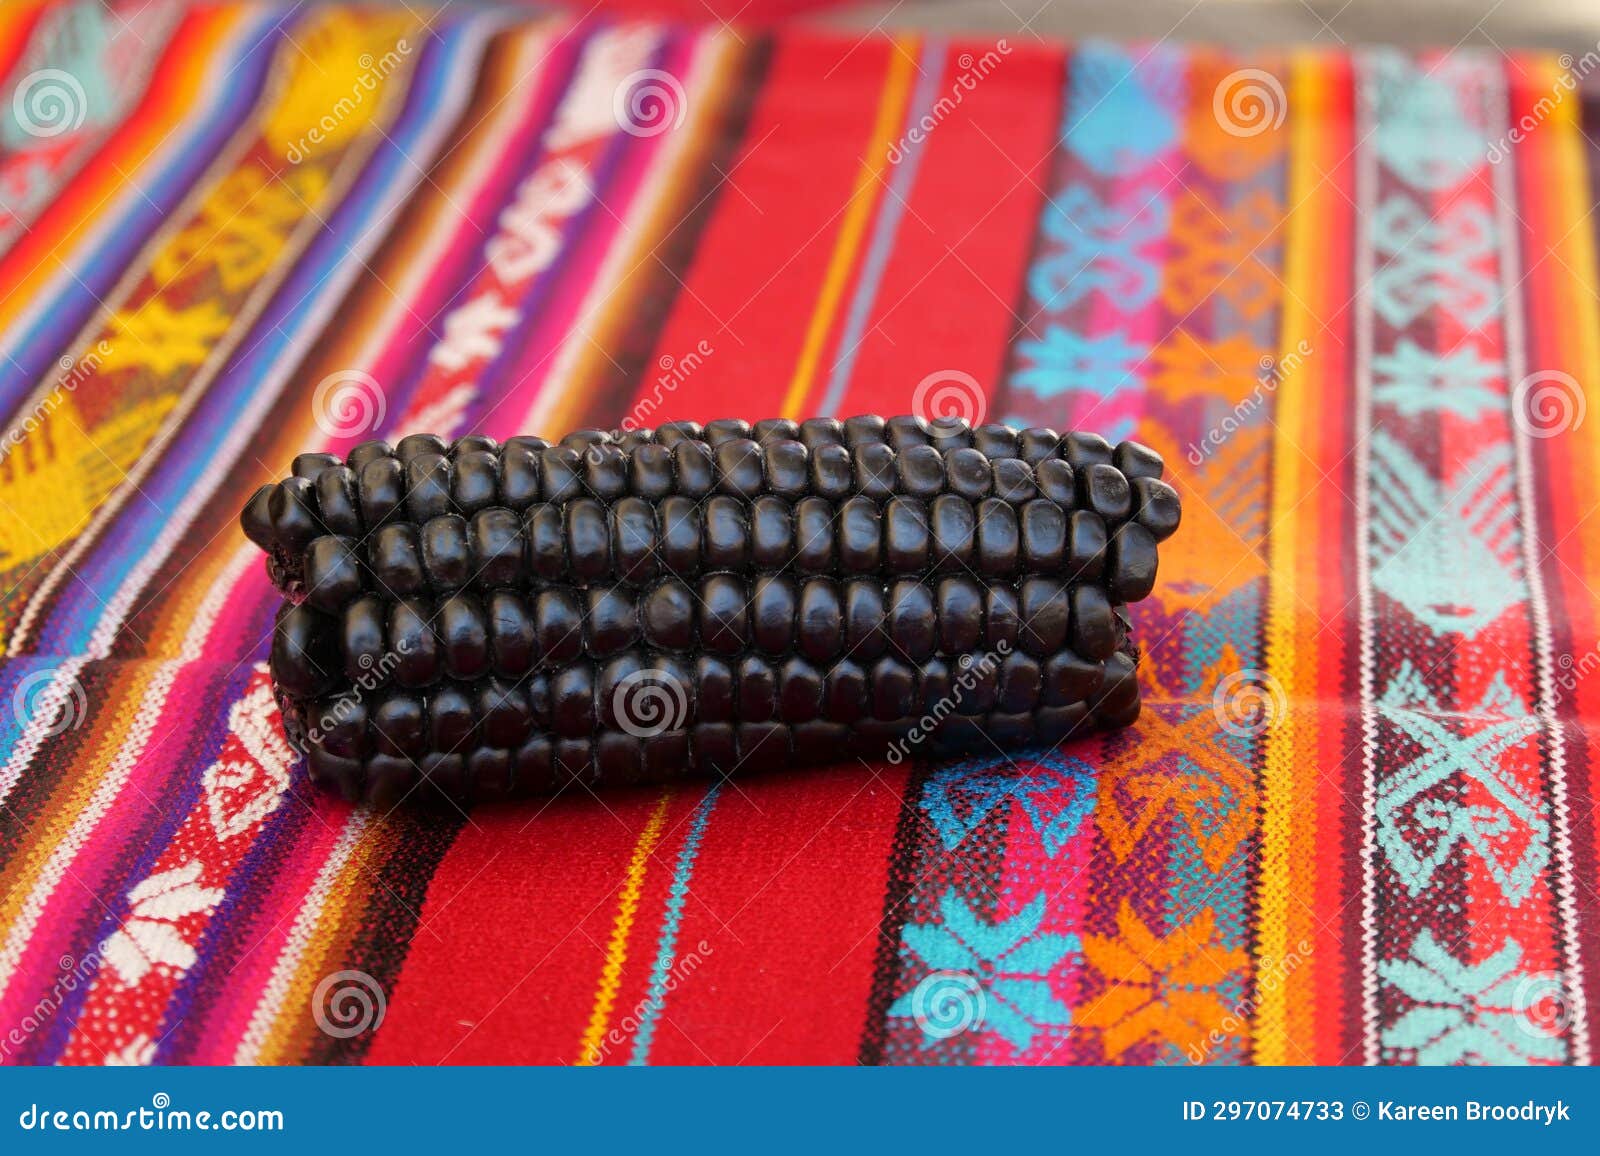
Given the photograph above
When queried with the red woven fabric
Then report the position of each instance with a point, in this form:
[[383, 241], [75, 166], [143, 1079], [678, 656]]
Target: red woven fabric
[[1349, 297]]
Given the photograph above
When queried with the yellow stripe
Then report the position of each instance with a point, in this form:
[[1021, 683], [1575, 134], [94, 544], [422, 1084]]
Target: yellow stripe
[[1287, 733], [605, 996], [891, 111], [1569, 221]]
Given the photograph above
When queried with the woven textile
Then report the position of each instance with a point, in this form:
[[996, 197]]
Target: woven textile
[[1352, 299]]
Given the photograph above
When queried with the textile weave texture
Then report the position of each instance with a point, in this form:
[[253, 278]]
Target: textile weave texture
[[1350, 296]]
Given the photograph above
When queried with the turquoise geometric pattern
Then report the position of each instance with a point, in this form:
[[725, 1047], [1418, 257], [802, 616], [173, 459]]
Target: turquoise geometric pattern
[[1415, 381], [1457, 792], [1118, 119], [1007, 963], [1449, 552], [1422, 133], [1097, 247], [1432, 262], [1062, 361], [1478, 1013], [1056, 795]]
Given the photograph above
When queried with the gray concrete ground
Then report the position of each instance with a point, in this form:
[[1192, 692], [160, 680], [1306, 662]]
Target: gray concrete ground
[[1563, 25]]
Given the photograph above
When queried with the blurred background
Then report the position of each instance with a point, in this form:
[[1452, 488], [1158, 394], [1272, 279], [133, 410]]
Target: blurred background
[[1503, 23], [1558, 24]]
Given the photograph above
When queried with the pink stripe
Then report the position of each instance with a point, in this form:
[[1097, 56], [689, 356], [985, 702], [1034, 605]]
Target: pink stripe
[[229, 1016], [1029, 871], [251, 599], [462, 261], [157, 773], [579, 270]]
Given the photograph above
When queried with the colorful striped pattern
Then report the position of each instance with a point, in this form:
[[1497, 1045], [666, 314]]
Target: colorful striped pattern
[[1350, 296]]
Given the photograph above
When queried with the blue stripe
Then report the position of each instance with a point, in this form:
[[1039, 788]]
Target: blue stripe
[[666, 952], [25, 357], [890, 214]]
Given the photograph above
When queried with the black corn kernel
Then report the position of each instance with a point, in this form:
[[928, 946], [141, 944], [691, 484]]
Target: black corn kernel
[[1156, 507], [446, 557]]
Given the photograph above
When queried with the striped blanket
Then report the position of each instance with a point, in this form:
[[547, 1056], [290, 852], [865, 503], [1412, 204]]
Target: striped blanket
[[1352, 299]]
